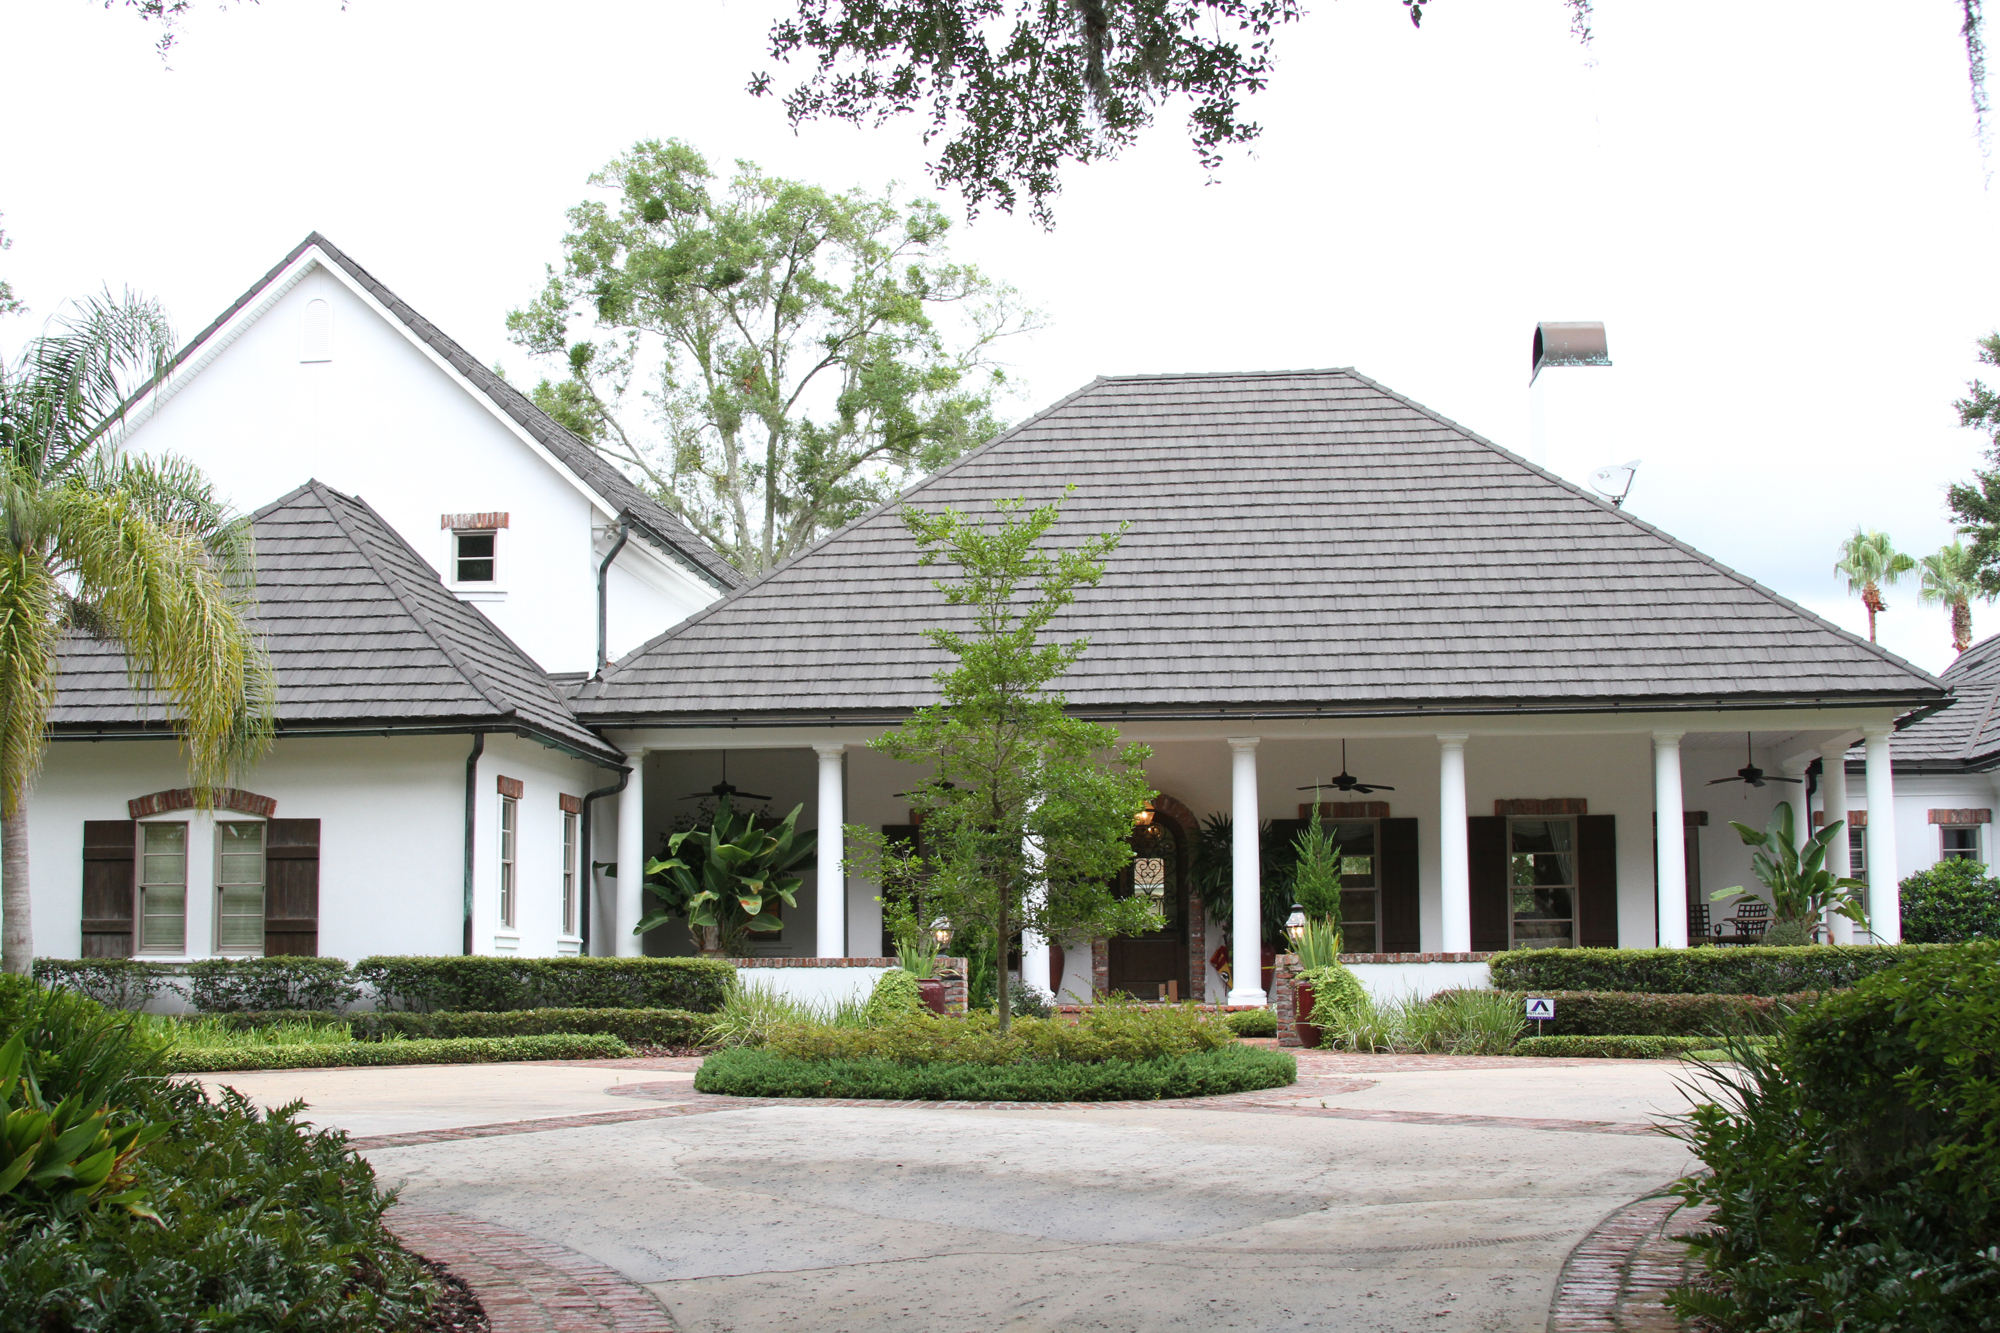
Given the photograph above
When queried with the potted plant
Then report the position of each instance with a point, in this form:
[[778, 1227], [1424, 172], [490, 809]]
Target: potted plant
[[1314, 924], [725, 877], [1800, 885], [918, 938]]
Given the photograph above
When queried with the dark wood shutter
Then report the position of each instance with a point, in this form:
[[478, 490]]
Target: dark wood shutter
[[1492, 899], [109, 887], [1401, 923], [1597, 881], [291, 887]]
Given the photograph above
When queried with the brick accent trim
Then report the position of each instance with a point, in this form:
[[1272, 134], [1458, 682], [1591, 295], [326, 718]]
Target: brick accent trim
[[481, 522], [1960, 818], [528, 1285], [570, 805], [182, 798], [511, 787], [1618, 1275], [1346, 810], [1551, 805]]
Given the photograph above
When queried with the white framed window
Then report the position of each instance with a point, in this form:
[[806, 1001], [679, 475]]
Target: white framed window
[[1541, 862], [239, 887], [475, 557], [509, 823], [568, 873], [1857, 852], [1958, 842], [163, 856]]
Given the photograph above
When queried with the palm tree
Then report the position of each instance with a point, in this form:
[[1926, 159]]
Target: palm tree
[[1871, 563], [133, 550], [1951, 579]]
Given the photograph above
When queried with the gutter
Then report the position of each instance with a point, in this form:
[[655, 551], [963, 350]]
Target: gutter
[[603, 576], [589, 867], [471, 823], [79, 732]]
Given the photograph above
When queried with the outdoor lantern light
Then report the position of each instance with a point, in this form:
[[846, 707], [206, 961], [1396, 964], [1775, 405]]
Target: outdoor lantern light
[[942, 930], [1295, 924], [1145, 815]]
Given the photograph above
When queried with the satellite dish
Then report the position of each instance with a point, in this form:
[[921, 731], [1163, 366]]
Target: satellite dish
[[1614, 483]]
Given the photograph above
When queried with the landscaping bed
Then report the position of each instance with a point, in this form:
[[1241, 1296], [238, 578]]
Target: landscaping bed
[[417, 1051], [1615, 1047], [745, 1072]]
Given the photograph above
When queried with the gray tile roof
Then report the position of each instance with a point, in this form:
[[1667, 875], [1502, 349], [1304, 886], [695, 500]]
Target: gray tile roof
[[656, 523], [1300, 541], [1965, 735], [361, 633]]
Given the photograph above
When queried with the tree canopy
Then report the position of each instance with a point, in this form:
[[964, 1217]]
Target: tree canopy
[[766, 354]]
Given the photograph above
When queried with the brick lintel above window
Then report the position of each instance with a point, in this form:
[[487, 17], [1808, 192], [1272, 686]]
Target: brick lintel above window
[[1960, 818], [1855, 819], [1551, 805], [571, 805], [486, 522], [511, 787]]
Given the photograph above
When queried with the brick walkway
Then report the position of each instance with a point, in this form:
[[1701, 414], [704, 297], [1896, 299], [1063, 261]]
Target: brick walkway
[[528, 1285], [1616, 1279]]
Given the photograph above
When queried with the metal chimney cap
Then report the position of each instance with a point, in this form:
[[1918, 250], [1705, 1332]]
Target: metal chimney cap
[[1569, 343]]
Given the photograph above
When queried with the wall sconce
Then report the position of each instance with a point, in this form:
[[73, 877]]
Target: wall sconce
[[1144, 817]]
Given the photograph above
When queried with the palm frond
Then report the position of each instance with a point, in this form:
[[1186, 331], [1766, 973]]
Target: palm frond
[[67, 391]]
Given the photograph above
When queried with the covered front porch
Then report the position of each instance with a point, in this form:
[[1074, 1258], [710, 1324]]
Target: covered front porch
[[1482, 832]]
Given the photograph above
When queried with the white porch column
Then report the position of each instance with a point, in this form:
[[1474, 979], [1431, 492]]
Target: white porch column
[[1454, 857], [1670, 837], [830, 938], [1246, 922], [1885, 910], [629, 894], [1036, 960], [1833, 798]]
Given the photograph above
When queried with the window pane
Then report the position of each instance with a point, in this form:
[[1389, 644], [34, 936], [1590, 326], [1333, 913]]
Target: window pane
[[1541, 934], [1357, 905], [475, 557], [1358, 936], [240, 920], [163, 920], [1535, 904]]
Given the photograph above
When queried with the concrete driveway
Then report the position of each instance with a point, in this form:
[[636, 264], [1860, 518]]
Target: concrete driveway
[[1388, 1196]]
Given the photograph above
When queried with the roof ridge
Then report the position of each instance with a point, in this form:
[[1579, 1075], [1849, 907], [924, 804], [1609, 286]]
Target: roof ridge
[[474, 677], [1226, 374], [592, 686], [1640, 523]]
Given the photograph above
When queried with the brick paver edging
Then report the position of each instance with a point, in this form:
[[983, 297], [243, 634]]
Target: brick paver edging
[[1617, 1277], [528, 1285]]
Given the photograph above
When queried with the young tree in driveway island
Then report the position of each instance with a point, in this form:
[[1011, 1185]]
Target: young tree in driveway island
[[133, 550], [1026, 812], [785, 340]]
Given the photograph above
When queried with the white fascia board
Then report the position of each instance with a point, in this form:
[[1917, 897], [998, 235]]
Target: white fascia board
[[311, 258]]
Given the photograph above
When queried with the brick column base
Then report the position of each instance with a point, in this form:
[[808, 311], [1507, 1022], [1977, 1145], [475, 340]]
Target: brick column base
[[1285, 997], [952, 972]]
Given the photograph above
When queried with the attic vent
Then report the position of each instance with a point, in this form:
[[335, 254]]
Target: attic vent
[[1569, 343], [316, 336]]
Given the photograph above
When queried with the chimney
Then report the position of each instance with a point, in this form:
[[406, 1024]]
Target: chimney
[[1571, 417]]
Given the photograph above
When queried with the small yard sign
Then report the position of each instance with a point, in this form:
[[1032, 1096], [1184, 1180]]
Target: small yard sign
[[1540, 1007]]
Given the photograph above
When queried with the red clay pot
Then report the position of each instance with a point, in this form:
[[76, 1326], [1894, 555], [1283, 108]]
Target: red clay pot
[[1308, 1034], [931, 992]]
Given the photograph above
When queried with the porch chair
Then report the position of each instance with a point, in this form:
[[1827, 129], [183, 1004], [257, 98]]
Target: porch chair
[[1699, 926], [1753, 917]]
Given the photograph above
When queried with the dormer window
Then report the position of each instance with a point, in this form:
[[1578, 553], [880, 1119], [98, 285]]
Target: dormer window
[[472, 561]]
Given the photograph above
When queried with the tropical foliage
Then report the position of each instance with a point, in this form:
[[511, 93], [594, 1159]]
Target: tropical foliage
[[783, 339], [1870, 562], [1951, 579], [728, 877], [138, 551], [1802, 889]]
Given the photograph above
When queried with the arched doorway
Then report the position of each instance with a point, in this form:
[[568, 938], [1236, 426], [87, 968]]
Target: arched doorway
[[1154, 966]]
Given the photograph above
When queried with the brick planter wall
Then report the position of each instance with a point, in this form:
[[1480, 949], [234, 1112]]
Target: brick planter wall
[[1285, 997], [951, 971]]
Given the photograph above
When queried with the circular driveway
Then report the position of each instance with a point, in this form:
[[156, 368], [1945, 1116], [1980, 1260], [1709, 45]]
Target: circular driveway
[[1378, 1193]]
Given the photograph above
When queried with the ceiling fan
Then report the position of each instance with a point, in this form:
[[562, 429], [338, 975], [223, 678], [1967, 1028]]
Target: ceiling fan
[[723, 790], [1750, 773], [1346, 781]]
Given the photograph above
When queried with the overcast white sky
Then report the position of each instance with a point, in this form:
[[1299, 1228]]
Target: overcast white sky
[[1779, 209]]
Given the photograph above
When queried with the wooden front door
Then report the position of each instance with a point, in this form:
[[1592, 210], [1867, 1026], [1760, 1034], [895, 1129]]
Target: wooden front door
[[1154, 966]]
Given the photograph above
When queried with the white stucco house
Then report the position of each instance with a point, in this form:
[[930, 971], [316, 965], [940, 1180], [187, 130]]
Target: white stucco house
[[1320, 575]]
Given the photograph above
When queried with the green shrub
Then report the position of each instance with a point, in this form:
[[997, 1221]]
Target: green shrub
[[1028, 1001], [1636, 1014], [1464, 1022], [1612, 1047], [1852, 1166], [639, 1027], [311, 1255], [1747, 970], [420, 1051], [1335, 991], [764, 1073], [1129, 1032], [1252, 1023], [492, 985], [228, 985], [116, 983], [1952, 902], [211, 1033], [255, 1020], [895, 994]]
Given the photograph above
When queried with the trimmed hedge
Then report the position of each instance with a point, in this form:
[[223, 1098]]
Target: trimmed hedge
[[1612, 1048], [450, 1051], [640, 1027], [495, 985], [1253, 1023], [115, 983], [1637, 1014], [744, 1072], [1748, 970], [233, 985]]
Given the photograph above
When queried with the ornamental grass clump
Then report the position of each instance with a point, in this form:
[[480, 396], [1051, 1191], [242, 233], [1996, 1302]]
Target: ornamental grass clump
[[1465, 1022]]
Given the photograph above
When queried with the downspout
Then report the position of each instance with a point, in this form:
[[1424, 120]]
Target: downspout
[[603, 575], [471, 822], [1813, 770], [590, 867]]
